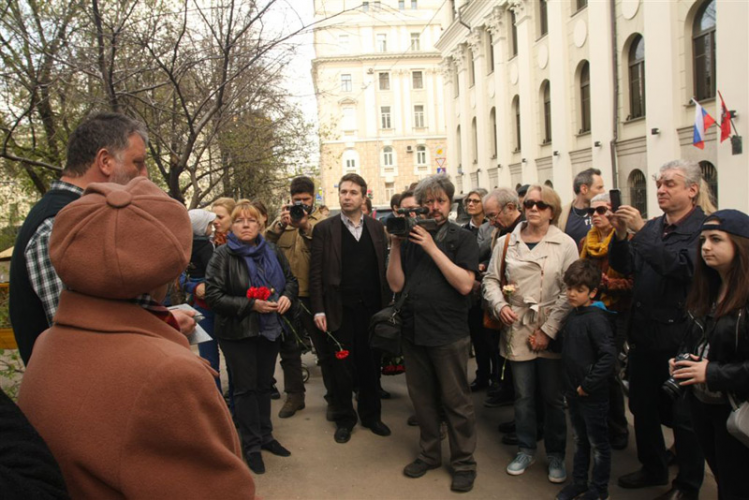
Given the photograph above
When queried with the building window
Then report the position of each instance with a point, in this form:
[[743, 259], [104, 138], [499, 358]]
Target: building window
[[581, 4], [493, 121], [382, 42], [471, 69], [343, 44], [513, 36], [389, 190], [474, 141], [585, 98], [387, 157], [365, 6], [638, 192], [637, 78], [414, 5], [419, 116], [459, 150], [543, 18], [417, 80], [421, 155], [703, 36], [415, 42], [350, 161], [385, 117], [384, 81], [377, 6], [516, 113], [345, 83], [490, 50], [547, 112], [349, 118], [710, 174], [401, 4]]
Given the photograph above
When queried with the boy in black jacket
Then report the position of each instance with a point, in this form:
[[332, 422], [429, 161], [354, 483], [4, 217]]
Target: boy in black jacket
[[588, 355]]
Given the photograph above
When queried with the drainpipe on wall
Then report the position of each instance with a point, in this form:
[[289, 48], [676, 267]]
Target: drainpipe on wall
[[615, 97]]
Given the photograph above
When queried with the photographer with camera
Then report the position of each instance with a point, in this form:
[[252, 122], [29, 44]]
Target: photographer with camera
[[442, 260], [292, 233]]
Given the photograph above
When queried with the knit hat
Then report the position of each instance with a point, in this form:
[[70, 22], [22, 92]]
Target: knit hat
[[200, 219], [729, 221], [118, 242]]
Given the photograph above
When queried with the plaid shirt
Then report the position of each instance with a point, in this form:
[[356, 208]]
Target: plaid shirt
[[42, 275]]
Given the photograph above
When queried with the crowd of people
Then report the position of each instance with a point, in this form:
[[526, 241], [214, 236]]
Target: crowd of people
[[550, 299]]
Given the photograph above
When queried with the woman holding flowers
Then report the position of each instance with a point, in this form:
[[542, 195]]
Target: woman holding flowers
[[717, 373], [250, 287], [530, 301]]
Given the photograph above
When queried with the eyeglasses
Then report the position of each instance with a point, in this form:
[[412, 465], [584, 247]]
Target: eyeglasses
[[598, 210], [470, 201], [528, 204]]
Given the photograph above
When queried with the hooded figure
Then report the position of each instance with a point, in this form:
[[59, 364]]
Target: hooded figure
[[124, 405]]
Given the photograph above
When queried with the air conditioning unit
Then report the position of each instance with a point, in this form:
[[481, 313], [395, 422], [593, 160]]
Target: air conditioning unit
[[409, 149]]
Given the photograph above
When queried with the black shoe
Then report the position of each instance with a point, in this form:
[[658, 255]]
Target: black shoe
[[412, 421], [384, 394], [274, 394], [641, 479], [506, 427], [378, 428], [463, 480], [276, 448], [620, 441], [478, 385], [255, 461], [418, 468], [677, 494], [342, 435], [511, 439], [498, 399]]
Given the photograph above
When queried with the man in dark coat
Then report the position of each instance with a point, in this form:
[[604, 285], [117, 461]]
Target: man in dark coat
[[347, 286]]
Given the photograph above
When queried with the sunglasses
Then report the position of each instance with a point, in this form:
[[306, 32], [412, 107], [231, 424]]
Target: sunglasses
[[528, 204], [598, 210], [471, 201]]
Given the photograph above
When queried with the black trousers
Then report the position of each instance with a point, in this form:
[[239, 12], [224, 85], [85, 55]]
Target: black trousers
[[361, 366], [651, 407], [252, 362], [318, 339], [727, 456], [487, 352], [291, 363], [617, 421]]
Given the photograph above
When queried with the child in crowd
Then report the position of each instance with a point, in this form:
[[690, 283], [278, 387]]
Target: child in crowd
[[588, 356]]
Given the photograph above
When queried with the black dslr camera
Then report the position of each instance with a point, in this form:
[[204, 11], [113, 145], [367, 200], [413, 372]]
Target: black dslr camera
[[402, 226], [671, 387], [298, 210]]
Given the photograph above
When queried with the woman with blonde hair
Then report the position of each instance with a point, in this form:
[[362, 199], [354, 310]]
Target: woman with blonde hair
[[222, 207], [524, 288]]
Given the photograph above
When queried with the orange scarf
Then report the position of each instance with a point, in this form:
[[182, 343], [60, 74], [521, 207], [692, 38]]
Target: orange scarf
[[594, 246]]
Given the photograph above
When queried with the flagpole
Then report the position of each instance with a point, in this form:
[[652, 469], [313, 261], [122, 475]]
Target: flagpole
[[730, 116]]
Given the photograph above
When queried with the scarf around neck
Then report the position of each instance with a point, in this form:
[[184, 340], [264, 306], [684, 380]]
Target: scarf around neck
[[595, 246]]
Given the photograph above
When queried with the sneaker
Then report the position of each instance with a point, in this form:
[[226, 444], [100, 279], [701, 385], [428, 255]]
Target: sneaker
[[521, 462], [571, 491], [593, 494], [463, 481], [557, 471]]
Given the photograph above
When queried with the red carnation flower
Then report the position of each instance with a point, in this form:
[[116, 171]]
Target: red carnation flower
[[342, 354]]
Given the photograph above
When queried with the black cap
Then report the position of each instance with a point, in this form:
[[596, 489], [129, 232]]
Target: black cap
[[522, 190], [729, 221]]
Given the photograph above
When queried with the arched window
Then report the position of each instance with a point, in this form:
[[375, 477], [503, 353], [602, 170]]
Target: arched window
[[585, 97], [638, 192], [637, 78], [516, 115], [546, 86], [710, 174], [474, 141], [493, 121], [703, 37], [387, 157]]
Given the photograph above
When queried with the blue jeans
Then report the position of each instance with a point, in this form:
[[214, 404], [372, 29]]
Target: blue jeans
[[546, 374], [590, 426]]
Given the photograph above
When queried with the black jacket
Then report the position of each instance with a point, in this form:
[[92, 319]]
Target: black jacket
[[588, 352], [227, 281], [728, 367], [662, 268]]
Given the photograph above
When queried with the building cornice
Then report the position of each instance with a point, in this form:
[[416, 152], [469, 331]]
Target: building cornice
[[376, 57]]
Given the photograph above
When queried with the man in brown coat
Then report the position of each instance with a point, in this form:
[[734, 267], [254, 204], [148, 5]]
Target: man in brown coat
[[126, 408]]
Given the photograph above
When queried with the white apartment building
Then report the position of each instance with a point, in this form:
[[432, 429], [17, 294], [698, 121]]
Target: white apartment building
[[536, 91], [379, 93]]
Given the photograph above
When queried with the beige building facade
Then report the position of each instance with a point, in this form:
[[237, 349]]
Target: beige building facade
[[536, 91], [379, 94]]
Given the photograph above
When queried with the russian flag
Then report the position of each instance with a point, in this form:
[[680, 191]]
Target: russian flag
[[702, 122]]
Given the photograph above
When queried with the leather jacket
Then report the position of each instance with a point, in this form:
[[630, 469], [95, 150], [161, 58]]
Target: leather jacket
[[227, 281]]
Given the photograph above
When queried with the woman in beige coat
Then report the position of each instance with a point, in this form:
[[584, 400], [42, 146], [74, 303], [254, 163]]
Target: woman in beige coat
[[532, 305]]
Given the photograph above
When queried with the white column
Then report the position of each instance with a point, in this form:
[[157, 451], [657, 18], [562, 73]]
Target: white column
[[446, 67], [476, 41], [496, 24], [601, 86], [464, 105]]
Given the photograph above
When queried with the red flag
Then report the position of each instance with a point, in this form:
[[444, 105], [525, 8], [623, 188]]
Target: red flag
[[725, 120]]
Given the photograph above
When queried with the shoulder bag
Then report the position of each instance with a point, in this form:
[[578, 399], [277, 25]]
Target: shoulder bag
[[490, 321], [738, 421]]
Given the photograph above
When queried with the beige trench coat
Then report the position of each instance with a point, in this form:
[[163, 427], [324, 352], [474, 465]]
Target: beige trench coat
[[539, 299]]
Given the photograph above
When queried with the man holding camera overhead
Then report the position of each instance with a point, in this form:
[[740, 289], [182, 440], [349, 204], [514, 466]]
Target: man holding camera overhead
[[292, 233]]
